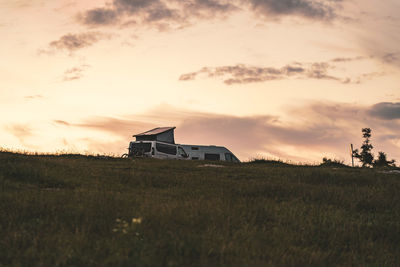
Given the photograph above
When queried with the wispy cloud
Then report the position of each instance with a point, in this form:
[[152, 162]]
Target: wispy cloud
[[74, 73], [319, 10], [22, 3], [99, 16], [61, 122], [349, 59], [167, 14], [176, 14], [117, 126], [377, 31], [183, 13], [74, 41], [313, 131], [386, 110], [154, 12], [391, 57], [242, 74], [21, 132], [30, 97]]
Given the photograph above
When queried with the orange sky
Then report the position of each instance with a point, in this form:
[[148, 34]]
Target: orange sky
[[295, 80]]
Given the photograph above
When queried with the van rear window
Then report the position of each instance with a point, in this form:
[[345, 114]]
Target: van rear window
[[141, 147], [209, 156], [167, 149]]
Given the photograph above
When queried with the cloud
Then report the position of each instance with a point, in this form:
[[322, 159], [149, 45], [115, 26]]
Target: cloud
[[348, 59], [75, 73], [392, 57], [208, 8], [386, 110], [320, 10], [377, 32], [182, 13], [305, 133], [252, 135], [61, 122], [132, 11], [243, 74], [23, 3], [188, 76], [72, 42], [311, 132], [176, 14], [157, 13], [99, 16], [20, 131], [30, 97]]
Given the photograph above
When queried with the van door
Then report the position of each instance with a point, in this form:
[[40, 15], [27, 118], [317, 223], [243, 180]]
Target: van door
[[212, 156]]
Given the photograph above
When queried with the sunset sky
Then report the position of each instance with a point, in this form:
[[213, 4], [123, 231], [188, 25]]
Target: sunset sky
[[282, 79]]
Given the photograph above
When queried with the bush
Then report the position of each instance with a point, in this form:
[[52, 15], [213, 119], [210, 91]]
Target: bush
[[332, 163]]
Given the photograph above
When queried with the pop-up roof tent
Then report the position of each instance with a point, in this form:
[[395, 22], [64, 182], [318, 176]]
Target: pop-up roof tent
[[162, 134]]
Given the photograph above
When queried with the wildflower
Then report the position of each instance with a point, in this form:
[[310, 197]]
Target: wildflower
[[137, 220]]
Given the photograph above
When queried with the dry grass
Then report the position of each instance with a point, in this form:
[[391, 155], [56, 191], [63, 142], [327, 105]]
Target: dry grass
[[94, 211]]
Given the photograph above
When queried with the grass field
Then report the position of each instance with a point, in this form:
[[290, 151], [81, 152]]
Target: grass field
[[92, 211]]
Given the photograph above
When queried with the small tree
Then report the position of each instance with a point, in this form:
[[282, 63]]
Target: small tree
[[382, 161], [365, 156]]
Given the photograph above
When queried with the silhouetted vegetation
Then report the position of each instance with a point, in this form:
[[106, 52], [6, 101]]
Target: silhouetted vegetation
[[382, 161], [269, 162], [333, 163], [93, 211], [366, 157]]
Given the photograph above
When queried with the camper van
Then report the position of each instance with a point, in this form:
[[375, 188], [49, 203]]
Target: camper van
[[162, 150], [160, 143]]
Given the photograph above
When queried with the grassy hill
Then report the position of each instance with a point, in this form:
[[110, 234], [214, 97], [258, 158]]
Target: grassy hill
[[94, 211]]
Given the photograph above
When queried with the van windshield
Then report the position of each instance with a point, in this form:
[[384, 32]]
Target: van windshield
[[231, 157]]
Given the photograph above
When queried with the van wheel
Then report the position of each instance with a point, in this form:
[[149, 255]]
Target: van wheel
[[124, 156]]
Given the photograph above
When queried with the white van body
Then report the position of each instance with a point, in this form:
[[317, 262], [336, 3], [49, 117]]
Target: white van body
[[156, 149], [163, 150], [221, 153]]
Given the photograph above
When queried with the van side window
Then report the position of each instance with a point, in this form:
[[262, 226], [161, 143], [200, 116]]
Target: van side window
[[209, 156], [167, 149], [182, 152]]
